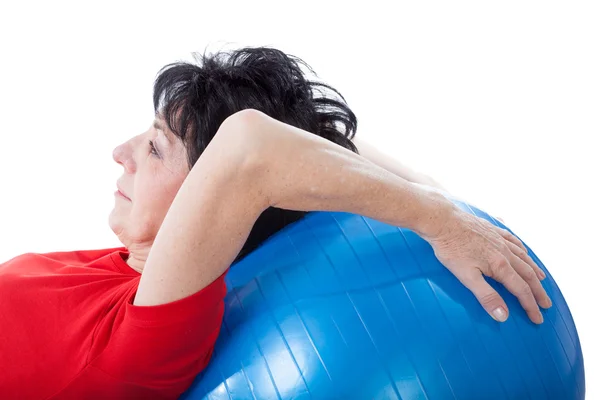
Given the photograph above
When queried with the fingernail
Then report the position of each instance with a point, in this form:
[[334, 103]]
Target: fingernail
[[540, 317], [547, 302], [539, 275], [499, 314]]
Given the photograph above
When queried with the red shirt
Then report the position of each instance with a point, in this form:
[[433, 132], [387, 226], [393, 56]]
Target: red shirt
[[69, 330]]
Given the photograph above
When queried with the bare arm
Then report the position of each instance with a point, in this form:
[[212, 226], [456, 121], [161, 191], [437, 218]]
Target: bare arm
[[255, 162], [393, 165], [233, 182], [206, 225]]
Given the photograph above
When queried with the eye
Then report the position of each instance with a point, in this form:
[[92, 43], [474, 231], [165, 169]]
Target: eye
[[153, 150]]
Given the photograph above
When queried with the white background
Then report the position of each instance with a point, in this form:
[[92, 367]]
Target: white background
[[499, 101]]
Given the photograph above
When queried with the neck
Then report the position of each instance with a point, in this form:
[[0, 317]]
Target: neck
[[136, 262]]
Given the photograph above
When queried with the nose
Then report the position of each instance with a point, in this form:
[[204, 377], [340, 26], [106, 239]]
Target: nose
[[123, 154]]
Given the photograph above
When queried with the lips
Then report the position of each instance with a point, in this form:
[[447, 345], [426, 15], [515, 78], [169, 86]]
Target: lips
[[122, 192]]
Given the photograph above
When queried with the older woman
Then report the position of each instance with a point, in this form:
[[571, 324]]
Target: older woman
[[241, 146]]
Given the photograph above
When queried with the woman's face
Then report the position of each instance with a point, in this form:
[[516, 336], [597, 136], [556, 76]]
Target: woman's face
[[151, 179]]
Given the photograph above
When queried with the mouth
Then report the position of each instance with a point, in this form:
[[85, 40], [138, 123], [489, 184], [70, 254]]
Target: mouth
[[121, 194]]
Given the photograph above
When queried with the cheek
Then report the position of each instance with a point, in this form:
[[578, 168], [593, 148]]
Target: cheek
[[147, 215], [153, 198]]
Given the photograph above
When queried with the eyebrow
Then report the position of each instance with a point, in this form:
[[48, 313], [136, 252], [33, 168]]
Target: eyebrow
[[158, 126]]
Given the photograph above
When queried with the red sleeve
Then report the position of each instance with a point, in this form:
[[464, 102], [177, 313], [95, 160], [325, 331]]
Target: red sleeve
[[165, 346]]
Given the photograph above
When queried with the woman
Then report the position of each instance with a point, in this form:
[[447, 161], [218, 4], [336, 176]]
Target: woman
[[227, 162]]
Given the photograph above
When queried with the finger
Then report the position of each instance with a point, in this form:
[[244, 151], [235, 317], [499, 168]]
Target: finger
[[528, 274], [504, 273], [511, 238], [489, 299], [525, 257]]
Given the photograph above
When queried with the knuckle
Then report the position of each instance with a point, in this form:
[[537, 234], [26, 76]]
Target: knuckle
[[502, 231], [529, 275], [506, 249], [499, 266], [489, 299], [524, 290], [520, 252]]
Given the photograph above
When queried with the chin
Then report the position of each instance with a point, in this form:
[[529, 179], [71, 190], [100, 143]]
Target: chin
[[115, 221]]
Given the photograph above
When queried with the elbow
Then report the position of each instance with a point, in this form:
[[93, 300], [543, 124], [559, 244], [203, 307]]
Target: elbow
[[244, 118], [246, 127], [243, 136]]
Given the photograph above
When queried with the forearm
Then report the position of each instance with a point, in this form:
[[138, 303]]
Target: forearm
[[393, 165], [332, 180], [302, 171]]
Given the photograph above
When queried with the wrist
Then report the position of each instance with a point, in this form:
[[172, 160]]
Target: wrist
[[435, 214]]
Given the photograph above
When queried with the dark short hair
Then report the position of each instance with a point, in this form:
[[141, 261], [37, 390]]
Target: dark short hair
[[195, 98]]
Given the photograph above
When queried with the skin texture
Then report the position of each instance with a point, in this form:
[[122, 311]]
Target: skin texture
[[255, 162], [151, 181], [389, 163], [327, 177]]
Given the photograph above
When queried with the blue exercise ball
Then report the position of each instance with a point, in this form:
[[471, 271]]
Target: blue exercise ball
[[340, 306]]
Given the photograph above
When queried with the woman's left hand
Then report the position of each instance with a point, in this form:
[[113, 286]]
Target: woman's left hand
[[471, 247]]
